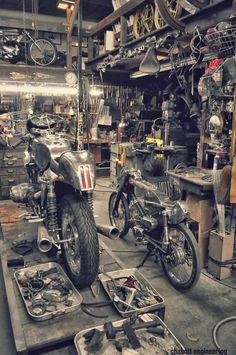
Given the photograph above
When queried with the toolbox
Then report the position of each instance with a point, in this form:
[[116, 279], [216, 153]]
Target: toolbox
[[113, 276], [149, 343], [69, 303]]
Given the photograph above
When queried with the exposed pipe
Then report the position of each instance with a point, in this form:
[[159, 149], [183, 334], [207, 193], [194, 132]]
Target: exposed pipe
[[108, 231], [79, 121]]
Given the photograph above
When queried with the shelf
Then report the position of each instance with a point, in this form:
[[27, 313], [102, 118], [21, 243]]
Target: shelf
[[203, 19]]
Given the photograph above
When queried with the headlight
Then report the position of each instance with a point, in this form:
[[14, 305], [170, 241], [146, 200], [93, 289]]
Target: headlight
[[177, 213]]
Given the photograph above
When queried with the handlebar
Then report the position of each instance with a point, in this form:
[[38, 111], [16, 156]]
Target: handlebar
[[15, 145], [22, 140]]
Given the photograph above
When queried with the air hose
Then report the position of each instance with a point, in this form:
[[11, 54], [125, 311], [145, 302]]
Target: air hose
[[217, 327]]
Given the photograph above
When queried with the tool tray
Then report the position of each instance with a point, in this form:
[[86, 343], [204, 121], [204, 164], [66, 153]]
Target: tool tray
[[53, 308], [124, 273], [163, 345]]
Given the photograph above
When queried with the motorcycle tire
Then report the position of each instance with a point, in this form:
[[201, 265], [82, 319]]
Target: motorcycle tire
[[168, 17], [81, 256], [38, 61], [126, 214], [196, 268]]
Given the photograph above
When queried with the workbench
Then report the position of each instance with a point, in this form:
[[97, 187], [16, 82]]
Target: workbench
[[199, 197], [32, 337]]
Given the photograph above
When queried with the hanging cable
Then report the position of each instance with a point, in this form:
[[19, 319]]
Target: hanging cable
[[24, 25], [217, 327]]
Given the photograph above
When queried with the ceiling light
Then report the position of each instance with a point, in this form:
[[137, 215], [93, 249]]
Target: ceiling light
[[47, 90], [137, 74], [64, 4]]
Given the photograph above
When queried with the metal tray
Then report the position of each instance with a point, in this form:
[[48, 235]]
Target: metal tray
[[62, 309], [125, 273], [170, 342]]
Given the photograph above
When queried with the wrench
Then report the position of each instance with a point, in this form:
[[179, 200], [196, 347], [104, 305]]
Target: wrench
[[117, 299]]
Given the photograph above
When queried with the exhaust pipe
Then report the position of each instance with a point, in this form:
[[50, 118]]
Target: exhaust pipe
[[44, 240], [108, 231]]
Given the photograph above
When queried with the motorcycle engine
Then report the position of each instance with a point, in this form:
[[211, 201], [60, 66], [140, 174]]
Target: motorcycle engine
[[22, 192]]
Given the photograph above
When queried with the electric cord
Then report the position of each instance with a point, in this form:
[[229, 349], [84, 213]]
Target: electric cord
[[220, 282], [217, 327], [223, 263]]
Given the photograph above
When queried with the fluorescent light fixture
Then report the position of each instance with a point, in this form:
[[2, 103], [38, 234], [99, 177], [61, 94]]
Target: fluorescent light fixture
[[137, 74], [46, 90], [64, 4]]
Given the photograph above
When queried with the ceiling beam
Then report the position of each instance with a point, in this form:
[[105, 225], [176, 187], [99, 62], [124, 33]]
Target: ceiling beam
[[72, 18], [15, 19], [108, 21]]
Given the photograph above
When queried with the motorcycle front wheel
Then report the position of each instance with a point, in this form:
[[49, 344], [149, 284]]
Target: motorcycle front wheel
[[81, 252], [119, 218], [42, 52], [182, 264]]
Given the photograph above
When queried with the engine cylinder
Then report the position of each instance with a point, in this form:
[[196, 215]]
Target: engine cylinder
[[20, 193]]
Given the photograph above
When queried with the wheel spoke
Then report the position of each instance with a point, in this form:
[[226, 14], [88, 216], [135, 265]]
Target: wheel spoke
[[70, 232], [179, 265]]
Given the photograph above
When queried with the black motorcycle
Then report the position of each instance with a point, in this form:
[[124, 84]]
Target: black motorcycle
[[59, 193], [19, 46], [158, 223]]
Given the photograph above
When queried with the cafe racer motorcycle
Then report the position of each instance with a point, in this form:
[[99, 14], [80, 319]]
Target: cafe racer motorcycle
[[158, 223], [59, 192]]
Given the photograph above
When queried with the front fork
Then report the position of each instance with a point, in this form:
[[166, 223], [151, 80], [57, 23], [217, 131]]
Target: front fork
[[119, 193]]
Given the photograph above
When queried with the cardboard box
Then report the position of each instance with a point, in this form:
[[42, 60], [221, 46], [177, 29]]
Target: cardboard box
[[220, 249], [109, 40]]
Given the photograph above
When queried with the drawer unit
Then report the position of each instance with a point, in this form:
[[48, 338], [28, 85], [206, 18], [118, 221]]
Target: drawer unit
[[11, 162], [12, 170]]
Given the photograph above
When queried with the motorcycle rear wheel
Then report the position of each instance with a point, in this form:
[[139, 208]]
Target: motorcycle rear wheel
[[81, 254], [183, 252], [121, 220], [42, 52]]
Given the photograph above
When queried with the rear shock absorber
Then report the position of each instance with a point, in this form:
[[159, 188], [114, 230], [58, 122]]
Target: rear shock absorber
[[52, 209], [89, 198]]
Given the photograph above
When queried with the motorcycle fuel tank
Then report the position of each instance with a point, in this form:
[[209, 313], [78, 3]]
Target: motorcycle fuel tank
[[78, 169], [48, 148]]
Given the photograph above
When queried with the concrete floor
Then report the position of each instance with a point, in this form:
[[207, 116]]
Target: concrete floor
[[191, 316]]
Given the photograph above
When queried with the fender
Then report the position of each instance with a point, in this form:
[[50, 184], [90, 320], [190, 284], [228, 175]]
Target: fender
[[78, 169]]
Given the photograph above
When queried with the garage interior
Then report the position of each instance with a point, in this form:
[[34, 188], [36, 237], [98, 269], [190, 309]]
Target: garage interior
[[117, 177]]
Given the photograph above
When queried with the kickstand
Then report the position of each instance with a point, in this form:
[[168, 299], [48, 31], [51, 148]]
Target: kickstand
[[149, 253]]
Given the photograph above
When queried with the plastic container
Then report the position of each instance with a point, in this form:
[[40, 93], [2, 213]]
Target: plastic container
[[75, 296], [163, 345], [137, 275]]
